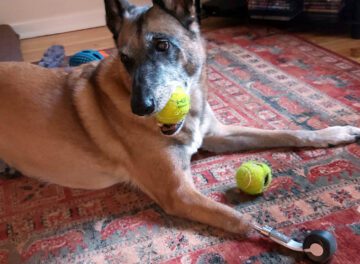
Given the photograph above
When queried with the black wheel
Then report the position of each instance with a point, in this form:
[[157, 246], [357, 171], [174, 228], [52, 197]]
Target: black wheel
[[319, 246]]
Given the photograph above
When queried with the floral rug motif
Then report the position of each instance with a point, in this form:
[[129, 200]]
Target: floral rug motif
[[259, 78]]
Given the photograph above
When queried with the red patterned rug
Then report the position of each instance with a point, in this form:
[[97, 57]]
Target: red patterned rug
[[258, 78]]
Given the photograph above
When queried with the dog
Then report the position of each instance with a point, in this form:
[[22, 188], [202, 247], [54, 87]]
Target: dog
[[94, 126]]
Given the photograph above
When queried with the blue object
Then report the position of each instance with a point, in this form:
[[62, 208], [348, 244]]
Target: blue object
[[53, 57], [85, 56]]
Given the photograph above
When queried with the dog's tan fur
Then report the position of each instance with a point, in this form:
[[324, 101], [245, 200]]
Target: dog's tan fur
[[76, 128]]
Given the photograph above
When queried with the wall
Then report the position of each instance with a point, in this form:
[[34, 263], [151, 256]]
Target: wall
[[32, 18]]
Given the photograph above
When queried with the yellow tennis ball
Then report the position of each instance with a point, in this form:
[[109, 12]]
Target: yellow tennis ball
[[253, 177], [176, 108]]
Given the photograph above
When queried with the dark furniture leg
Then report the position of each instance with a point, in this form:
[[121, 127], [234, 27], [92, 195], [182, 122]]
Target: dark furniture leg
[[198, 10], [355, 31], [355, 27]]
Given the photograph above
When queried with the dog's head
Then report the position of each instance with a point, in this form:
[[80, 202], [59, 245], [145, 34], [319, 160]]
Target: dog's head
[[160, 47]]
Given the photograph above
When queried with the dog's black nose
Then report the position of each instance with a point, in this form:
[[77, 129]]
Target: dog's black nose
[[143, 107]]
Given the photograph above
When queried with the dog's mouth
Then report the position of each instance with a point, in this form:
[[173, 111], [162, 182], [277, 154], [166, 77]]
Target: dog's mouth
[[171, 130]]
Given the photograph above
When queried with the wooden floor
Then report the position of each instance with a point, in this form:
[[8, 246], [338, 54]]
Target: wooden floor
[[100, 38]]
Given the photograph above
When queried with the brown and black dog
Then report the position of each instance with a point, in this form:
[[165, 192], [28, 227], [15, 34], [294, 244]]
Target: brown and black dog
[[94, 126]]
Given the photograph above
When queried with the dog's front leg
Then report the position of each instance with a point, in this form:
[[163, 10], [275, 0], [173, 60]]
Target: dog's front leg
[[222, 138], [189, 203], [172, 188]]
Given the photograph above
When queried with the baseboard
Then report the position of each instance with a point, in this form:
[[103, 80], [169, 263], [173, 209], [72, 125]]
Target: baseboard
[[60, 24]]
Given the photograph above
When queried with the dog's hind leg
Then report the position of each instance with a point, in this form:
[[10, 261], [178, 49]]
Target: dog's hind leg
[[222, 138]]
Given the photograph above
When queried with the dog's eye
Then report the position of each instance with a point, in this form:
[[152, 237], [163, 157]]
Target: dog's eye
[[162, 45], [124, 58]]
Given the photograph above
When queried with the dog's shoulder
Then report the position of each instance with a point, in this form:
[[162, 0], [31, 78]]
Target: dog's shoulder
[[84, 71]]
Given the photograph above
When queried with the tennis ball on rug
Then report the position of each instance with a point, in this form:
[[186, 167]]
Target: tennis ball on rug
[[253, 177], [176, 108]]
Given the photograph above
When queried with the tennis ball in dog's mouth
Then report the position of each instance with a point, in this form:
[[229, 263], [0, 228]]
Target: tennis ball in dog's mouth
[[253, 177], [176, 108]]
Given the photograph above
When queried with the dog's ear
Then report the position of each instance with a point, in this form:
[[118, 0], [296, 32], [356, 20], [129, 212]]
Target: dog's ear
[[183, 10], [115, 12]]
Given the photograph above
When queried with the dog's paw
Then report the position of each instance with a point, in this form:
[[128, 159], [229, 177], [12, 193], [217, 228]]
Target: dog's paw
[[336, 135]]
